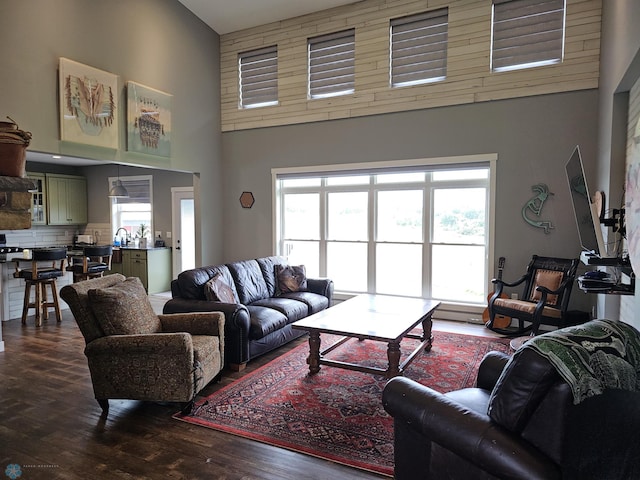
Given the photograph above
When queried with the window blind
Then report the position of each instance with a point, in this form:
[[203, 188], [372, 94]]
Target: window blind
[[332, 64], [419, 48], [139, 191], [527, 33], [382, 170], [258, 77]]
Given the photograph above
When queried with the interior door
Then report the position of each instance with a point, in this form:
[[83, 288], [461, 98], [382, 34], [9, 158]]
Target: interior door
[[183, 229]]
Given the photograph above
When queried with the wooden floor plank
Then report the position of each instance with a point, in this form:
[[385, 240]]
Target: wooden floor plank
[[50, 424]]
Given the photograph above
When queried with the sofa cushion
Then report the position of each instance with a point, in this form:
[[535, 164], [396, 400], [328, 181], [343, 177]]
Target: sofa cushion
[[314, 301], [218, 290], [290, 279], [191, 282], [250, 284], [476, 399], [524, 382], [267, 266], [77, 296], [293, 309], [264, 321], [124, 309]]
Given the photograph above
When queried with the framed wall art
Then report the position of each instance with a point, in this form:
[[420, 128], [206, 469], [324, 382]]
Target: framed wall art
[[148, 120], [88, 105]]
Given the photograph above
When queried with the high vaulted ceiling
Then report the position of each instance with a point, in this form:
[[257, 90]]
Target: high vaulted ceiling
[[225, 16]]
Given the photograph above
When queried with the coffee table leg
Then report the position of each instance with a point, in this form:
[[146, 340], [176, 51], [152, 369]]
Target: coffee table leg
[[426, 333], [314, 352], [393, 354]]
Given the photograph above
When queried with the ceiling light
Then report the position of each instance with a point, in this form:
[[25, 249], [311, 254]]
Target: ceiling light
[[118, 190]]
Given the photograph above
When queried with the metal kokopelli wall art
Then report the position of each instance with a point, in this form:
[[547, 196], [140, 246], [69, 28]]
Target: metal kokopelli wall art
[[535, 204]]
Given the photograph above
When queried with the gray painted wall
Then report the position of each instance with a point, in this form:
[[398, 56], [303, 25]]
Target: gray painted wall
[[161, 44], [619, 70], [533, 138], [158, 43]]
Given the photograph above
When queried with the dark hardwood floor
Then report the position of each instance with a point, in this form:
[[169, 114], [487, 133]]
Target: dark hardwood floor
[[51, 425]]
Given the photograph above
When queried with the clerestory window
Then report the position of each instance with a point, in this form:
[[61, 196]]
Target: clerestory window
[[331, 64], [419, 48], [527, 33], [258, 77]]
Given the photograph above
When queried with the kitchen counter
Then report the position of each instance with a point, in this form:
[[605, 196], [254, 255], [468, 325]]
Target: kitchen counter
[[71, 252], [152, 265], [139, 248]]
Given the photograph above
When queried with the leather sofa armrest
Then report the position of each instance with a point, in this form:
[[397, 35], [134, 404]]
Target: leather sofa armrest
[[321, 286], [236, 324], [490, 369], [195, 323], [468, 434], [236, 314]]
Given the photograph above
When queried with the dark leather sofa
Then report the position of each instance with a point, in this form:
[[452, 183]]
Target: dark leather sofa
[[261, 320], [520, 423]]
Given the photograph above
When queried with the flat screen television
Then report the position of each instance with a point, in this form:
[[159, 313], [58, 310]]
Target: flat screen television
[[589, 229]]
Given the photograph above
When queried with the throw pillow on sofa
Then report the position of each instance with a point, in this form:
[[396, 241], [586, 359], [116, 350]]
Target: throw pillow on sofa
[[124, 309], [290, 279], [217, 290]]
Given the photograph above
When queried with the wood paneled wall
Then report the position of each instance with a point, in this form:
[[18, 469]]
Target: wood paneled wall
[[469, 78]]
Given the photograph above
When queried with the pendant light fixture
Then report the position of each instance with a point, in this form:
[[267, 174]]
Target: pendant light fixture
[[118, 190]]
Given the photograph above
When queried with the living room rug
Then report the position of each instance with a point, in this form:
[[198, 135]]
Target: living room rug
[[336, 414]]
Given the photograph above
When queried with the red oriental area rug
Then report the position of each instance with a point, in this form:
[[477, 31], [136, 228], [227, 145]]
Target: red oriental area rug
[[336, 414]]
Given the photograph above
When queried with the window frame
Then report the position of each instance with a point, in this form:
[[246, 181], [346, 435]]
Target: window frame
[[455, 310], [114, 201]]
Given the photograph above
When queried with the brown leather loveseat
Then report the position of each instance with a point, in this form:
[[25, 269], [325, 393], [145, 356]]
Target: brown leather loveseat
[[258, 308], [522, 420]]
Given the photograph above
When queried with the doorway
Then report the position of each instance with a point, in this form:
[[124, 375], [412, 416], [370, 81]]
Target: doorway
[[183, 229]]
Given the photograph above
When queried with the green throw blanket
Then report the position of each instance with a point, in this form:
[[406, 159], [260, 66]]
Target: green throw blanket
[[593, 357]]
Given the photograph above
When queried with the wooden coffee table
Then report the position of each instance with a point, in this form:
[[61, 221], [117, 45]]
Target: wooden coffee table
[[384, 318]]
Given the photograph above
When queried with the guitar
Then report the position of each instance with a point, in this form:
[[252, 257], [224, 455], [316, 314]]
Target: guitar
[[500, 321]]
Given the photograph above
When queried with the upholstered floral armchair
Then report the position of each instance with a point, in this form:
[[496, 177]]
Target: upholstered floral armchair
[[134, 353]]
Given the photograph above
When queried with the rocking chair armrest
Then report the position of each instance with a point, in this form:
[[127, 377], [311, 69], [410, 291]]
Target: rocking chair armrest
[[501, 283], [544, 290]]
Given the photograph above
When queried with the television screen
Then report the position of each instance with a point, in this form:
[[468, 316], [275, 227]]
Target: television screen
[[587, 220]]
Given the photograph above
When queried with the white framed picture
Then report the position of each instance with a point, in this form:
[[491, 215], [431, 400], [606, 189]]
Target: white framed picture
[[148, 120], [88, 105]]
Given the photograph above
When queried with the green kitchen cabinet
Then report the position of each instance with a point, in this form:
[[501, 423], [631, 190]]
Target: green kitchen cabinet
[[66, 199], [151, 266]]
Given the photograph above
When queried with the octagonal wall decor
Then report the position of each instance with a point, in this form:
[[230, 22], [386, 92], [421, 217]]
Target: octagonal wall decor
[[247, 200]]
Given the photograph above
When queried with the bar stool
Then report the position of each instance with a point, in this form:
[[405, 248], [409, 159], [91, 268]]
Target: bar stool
[[96, 260], [41, 276]]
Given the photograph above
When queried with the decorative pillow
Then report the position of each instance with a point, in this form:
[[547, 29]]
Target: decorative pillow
[[124, 309], [217, 290], [547, 278], [290, 279]]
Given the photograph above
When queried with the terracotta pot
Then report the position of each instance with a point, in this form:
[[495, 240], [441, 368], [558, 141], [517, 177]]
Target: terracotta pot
[[13, 158], [13, 149], [8, 126]]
